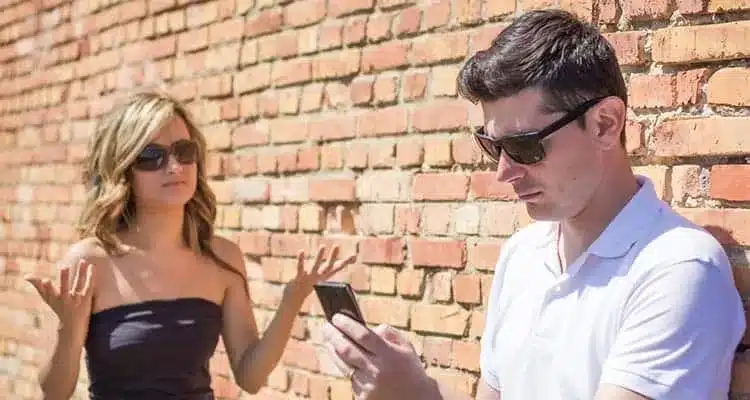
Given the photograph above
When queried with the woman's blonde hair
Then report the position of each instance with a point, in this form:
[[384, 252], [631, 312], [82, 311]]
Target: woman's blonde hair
[[119, 137]]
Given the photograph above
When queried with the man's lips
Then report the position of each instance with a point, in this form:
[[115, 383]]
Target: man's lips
[[528, 195]]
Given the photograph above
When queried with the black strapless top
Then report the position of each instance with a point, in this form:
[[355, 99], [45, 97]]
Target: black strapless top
[[155, 349]]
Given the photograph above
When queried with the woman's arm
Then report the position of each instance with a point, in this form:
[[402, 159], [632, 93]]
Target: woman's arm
[[71, 301], [252, 357]]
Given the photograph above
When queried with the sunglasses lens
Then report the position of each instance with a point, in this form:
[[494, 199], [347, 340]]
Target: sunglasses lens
[[490, 148], [185, 151], [525, 149], [150, 159]]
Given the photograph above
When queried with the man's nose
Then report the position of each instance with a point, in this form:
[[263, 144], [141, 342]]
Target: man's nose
[[508, 170]]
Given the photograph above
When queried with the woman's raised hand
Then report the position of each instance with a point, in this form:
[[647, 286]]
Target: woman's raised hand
[[71, 301]]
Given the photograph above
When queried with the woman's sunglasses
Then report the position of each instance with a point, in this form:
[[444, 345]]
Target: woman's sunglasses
[[526, 148], [155, 157]]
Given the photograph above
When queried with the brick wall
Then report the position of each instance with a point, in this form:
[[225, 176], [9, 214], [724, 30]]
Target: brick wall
[[337, 121]]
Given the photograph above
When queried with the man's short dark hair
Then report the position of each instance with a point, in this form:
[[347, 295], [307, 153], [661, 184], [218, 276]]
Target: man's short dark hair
[[550, 49]]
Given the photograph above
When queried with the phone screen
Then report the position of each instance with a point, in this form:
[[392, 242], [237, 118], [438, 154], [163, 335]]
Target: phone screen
[[338, 297]]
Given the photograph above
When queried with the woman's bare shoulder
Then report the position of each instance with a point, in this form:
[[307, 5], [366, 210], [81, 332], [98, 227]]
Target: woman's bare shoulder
[[229, 252], [89, 249]]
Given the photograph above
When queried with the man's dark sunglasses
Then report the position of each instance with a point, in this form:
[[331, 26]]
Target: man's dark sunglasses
[[526, 148], [155, 156]]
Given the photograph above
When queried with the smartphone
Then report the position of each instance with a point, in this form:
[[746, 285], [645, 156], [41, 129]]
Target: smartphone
[[338, 297]]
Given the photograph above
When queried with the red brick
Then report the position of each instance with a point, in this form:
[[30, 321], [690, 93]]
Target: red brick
[[288, 244], [687, 7], [331, 35], [332, 190], [731, 226], [336, 65], [440, 115], [256, 243], [440, 186], [435, 318], [292, 72], [436, 14], [253, 78], [729, 86], [409, 152], [466, 355], [687, 44], [249, 135], [437, 253], [381, 250], [379, 27], [436, 48], [280, 45], [288, 130], [339, 8], [483, 255], [646, 9], [334, 128], [193, 40], [414, 86], [354, 31], [390, 55], [466, 289], [727, 5], [701, 136], [383, 310], [408, 21], [385, 89], [356, 156], [437, 351], [650, 91], [484, 185], [730, 182], [437, 151], [629, 47], [267, 21], [226, 31], [385, 121], [499, 219], [305, 12], [469, 12], [410, 282]]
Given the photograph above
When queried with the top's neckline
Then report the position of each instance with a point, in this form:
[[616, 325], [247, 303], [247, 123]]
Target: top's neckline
[[154, 302]]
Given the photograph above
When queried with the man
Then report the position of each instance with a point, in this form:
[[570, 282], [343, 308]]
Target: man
[[609, 295]]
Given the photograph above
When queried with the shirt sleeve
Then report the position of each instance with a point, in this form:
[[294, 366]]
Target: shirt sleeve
[[679, 332]]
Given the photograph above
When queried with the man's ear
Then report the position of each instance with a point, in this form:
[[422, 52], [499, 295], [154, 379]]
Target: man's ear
[[607, 121]]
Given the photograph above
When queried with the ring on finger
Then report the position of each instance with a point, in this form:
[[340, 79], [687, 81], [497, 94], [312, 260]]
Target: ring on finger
[[350, 374]]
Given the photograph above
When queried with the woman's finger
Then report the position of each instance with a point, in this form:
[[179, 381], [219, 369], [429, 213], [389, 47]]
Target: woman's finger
[[331, 260], [64, 280], [300, 262], [81, 275], [89, 276], [347, 261], [317, 261]]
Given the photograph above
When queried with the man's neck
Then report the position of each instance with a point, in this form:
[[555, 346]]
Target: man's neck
[[579, 232]]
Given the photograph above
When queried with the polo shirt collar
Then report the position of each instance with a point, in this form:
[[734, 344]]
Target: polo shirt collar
[[630, 224]]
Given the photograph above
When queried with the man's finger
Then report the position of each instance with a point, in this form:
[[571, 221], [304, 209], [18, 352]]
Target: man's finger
[[343, 347], [358, 333], [391, 335], [343, 367]]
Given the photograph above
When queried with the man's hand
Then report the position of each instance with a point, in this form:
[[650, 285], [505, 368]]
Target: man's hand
[[385, 365]]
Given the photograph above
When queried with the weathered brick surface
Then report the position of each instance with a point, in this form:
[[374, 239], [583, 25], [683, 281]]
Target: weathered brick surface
[[337, 122]]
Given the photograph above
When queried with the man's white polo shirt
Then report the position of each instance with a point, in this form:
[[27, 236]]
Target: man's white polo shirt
[[650, 306]]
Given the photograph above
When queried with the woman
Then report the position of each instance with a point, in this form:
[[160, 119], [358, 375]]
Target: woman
[[149, 288]]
